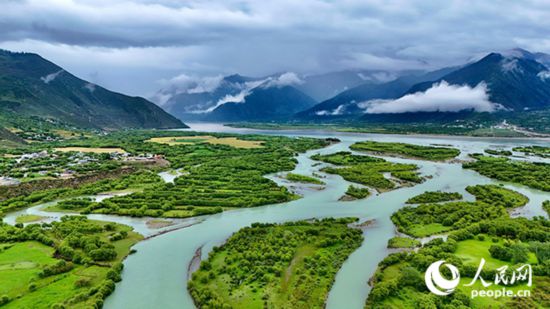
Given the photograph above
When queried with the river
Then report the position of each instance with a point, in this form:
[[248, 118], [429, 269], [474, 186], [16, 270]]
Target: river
[[156, 276]]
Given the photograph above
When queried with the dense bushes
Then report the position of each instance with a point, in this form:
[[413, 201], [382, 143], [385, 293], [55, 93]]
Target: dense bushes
[[407, 150], [532, 174], [434, 197], [497, 195], [357, 192], [399, 278], [290, 265], [367, 170], [60, 267], [428, 219]]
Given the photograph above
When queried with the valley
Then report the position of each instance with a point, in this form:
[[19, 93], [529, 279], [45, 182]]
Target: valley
[[288, 198], [274, 154]]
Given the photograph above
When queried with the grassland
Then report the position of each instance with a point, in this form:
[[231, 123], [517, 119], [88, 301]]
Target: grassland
[[28, 218], [290, 265], [407, 150], [189, 140], [69, 264]]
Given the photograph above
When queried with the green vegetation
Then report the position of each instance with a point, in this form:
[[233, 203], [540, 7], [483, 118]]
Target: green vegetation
[[356, 192], [365, 170], [71, 99], [217, 176], [346, 158], [409, 176], [303, 178], [434, 197], [546, 206], [429, 219], [497, 195], [399, 280], [290, 265], [73, 263], [407, 150], [496, 152], [136, 181], [532, 174], [403, 242], [539, 151]]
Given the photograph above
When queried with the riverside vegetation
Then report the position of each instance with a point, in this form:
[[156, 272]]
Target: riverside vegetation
[[215, 176], [369, 171], [434, 197], [407, 150], [532, 174], [480, 229], [290, 265], [73, 263], [428, 219]]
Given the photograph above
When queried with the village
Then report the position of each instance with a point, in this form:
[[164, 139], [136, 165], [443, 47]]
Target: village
[[65, 163]]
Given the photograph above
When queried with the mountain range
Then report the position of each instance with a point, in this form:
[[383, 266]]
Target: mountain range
[[513, 81], [510, 81], [33, 86]]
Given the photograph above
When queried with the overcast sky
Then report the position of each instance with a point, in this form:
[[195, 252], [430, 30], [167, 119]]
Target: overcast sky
[[131, 46]]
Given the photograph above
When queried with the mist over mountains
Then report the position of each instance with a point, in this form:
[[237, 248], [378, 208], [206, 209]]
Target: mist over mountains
[[509, 81]]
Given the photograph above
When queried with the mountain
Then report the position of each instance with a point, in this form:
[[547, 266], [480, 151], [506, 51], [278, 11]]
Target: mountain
[[33, 86], [346, 103], [264, 103], [196, 99], [517, 81]]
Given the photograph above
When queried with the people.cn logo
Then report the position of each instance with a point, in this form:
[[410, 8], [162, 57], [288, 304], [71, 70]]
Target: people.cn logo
[[435, 281]]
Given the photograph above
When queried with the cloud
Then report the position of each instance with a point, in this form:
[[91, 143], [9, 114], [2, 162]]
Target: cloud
[[510, 65], [240, 97], [134, 43], [50, 77], [544, 75], [285, 79], [184, 83], [441, 97], [337, 111]]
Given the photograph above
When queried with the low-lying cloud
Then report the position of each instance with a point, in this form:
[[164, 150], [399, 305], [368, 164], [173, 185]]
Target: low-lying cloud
[[285, 79], [184, 83], [441, 97], [50, 77], [544, 75]]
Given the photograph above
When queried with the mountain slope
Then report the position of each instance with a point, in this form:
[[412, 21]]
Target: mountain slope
[[264, 103], [33, 86], [516, 82], [345, 103]]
